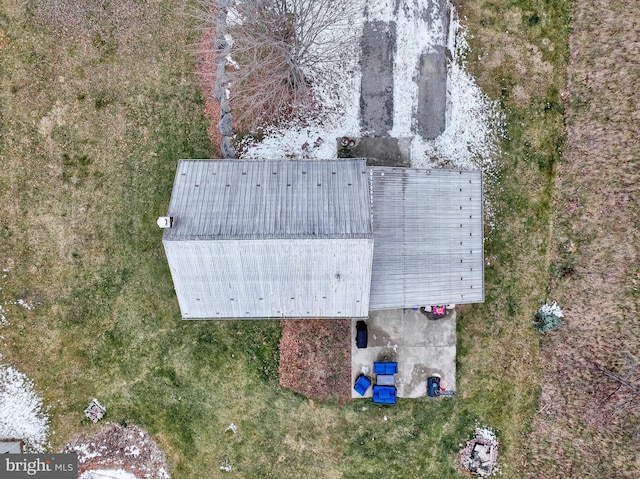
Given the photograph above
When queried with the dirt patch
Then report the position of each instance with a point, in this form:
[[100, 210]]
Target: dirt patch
[[589, 420], [117, 447], [315, 357], [4, 39]]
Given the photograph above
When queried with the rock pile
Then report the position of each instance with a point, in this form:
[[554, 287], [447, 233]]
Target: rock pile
[[480, 455], [114, 447], [221, 93]]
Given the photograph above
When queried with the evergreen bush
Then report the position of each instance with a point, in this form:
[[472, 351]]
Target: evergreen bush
[[548, 317]]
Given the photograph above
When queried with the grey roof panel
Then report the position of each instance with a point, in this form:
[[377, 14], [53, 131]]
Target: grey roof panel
[[227, 199], [296, 278], [428, 235]]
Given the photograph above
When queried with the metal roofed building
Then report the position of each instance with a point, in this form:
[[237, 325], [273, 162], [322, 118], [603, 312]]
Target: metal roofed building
[[321, 238], [264, 239]]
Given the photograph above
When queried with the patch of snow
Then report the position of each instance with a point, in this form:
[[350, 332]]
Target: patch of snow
[[382, 10], [232, 62], [24, 304], [22, 414], [226, 465], [469, 140], [86, 452], [132, 450], [417, 32], [107, 474], [552, 309]]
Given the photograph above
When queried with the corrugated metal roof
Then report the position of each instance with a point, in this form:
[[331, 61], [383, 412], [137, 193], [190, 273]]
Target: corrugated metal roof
[[231, 199], [291, 238], [284, 278], [428, 235], [272, 238]]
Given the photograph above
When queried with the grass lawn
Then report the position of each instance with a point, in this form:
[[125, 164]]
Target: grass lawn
[[96, 108]]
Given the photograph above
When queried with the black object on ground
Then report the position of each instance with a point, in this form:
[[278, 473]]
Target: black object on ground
[[362, 335]]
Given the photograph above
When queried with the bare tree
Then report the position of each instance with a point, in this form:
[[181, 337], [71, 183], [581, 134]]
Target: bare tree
[[279, 49]]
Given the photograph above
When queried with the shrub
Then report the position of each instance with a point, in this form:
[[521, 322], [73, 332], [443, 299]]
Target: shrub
[[548, 317], [279, 49]]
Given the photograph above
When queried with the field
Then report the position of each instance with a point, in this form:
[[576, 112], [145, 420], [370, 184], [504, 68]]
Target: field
[[98, 101], [589, 424]]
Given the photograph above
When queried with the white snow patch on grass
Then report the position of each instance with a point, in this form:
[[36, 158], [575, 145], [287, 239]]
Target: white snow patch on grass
[[24, 304], [107, 474], [553, 309], [226, 465], [21, 412]]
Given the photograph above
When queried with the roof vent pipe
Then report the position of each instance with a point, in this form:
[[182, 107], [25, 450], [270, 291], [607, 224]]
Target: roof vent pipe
[[165, 222]]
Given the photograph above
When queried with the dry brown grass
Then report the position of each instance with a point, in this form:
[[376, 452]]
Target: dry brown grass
[[589, 422], [315, 357]]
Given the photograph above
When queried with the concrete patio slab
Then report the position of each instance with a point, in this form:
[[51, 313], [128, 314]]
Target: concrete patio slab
[[421, 347]]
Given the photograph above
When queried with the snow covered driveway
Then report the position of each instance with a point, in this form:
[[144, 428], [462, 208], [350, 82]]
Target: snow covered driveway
[[410, 103]]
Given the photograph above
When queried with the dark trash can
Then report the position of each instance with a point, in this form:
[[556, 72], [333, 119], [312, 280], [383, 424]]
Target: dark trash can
[[362, 335]]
